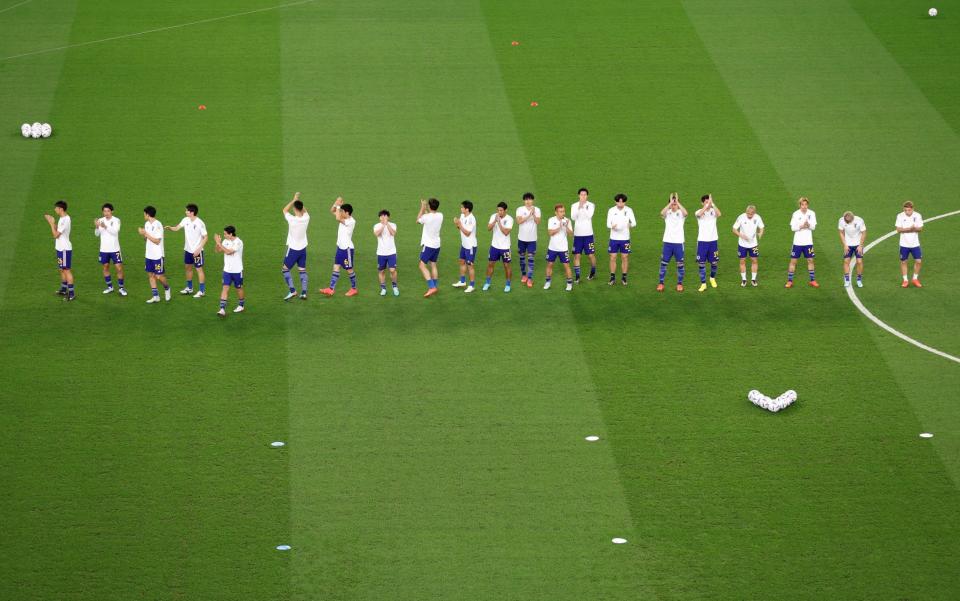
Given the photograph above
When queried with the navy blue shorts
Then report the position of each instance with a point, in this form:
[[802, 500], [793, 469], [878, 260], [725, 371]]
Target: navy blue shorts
[[295, 257], [64, 259], [234, 279], [805, 250], [386, 261], [743, 252], [672, 250], [429, 255], [106, 258], [553, 255], [499, 254], [190, 259], [344, 257], [524, 247], [853, 252], [583, 245], [154, 266], [707, 251], [468, 255], [904, 253], [619, 246]]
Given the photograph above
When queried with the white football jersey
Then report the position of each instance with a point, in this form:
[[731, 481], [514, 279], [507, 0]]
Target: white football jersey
[[109, 235], [707, 224], [500, 240], [851, 231], [297, 230], [345, 233], [431, 229], [623, 219], [469, 223], [803, 237], [386, 242], [193, 232], [233, 263], [673, 226], [155, 230], [909, 239], [559, 242], [748, 226], [63, 241], [528, 229], [582, 218]]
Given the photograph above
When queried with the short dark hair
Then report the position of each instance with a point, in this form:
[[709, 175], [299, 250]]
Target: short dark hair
[[467, 205], [298, 205], [230, 230], [149, 210], [107, 205], [61, 203], [193, 209], [383, 212], [434, 204], [557, 207], [704, 198], [347, 208], [908, 205], [619, 197], [583, 190], [501, 205], [528, 195]]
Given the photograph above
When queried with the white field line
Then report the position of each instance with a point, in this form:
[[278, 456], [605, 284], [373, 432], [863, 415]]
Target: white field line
[[859, 305], [3, 10], [157, 30]]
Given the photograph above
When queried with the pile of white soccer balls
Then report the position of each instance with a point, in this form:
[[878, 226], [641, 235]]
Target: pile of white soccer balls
[[37, 130], [781, 402]]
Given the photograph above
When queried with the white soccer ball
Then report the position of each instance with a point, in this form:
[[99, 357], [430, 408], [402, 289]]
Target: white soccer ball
[[25, 130], [932, 12], [46, 130], [36, 130]]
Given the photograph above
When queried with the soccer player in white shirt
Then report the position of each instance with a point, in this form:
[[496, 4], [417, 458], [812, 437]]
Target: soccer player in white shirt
[[232, 249], [748, 229], [673, 215], [853, 235], [467, 225], [194, 239], [107, 228], [60, 229], [559, 228], [152, 232], [297, 224], [386, 233], [501, 224], [343, 213], [620, 220], [581, 212], [431, 221], [803, 222], [910, 224], [528, 218], [707, 239]]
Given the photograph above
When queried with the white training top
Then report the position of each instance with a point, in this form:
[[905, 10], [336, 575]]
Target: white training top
[[297, 230], [155, 230], [63, 241], [109, 235], [851, 231], [559, 242], [527, 231], [673, 226], [431, 229], [582, 218], [193, 232], [233, 263], [910, 239], [748, 226], [707, 223], [345, 233], [623, 219], [469, 223], [803, 237], [500, 240], [386, 242]]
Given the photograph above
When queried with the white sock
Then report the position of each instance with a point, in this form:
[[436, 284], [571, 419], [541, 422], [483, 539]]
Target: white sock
[[904, 278], [753, 276], [743, 276]]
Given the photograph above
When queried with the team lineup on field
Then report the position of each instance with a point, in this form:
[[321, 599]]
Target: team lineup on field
[[748, 227]]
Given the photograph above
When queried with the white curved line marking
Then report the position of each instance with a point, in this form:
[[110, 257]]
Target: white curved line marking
[[3, 10], [876, 320], [157, 30]]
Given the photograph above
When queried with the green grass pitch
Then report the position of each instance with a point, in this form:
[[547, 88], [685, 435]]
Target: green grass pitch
[[435, 447]]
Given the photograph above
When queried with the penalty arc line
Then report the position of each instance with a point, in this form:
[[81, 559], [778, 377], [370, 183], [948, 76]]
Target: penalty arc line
[[157, 30], [859, 305], [3, 10]]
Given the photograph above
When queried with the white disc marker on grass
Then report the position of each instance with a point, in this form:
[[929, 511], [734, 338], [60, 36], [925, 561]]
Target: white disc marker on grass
[[619, 541], [277, 444], [592, 438], [926, 435], [283, 547]]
